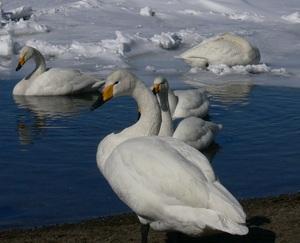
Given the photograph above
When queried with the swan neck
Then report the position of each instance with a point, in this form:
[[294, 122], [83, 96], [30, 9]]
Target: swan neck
[[40, 65], [166, 128]]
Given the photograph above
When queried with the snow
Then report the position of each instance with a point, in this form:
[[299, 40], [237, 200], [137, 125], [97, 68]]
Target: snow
[[100, 35], [293, 18]]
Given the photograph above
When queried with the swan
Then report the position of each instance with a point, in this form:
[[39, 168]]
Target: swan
[[53, 81], [226, 49], [192, 130], [184, 103], [167, 183]]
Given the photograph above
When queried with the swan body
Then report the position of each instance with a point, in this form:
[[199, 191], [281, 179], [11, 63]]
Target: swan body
[[167, 183], [184, 103], [53, 81], [226, 49], [192, 130]]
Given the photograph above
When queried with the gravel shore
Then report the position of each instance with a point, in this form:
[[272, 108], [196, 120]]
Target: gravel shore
[[272, 219]]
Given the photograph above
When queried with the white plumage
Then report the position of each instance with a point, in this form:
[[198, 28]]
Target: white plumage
[[167, 183], [226, 49], [53, 81], [191, 102]]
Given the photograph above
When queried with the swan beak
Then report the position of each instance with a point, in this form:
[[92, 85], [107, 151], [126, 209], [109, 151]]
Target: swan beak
[[105, 95], [156, 89], [20, 63]]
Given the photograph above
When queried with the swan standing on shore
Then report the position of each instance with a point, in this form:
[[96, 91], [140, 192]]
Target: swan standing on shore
[[167, 183], [184, 103], [192, 130], [52, 81], [226, 49]]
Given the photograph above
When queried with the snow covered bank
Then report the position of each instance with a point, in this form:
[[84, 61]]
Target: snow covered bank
[[100, 34]]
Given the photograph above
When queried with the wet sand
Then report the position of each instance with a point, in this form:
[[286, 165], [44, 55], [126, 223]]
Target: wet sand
[[272, 219]]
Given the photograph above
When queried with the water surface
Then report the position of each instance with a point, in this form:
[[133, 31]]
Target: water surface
[[48, 169]]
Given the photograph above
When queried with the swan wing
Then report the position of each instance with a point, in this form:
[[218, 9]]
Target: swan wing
[[58, 81], [191, 103], [151, 174]]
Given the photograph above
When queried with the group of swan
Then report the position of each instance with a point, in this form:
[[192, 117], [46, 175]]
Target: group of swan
[[170, 185], [151, 167]]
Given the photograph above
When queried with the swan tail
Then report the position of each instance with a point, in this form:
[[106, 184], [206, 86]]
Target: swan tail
[[221, 200], [197, 221], [214, 127]]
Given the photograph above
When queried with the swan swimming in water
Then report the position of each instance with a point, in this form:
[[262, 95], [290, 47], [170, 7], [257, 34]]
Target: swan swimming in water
[[192, 130], [167, 183], [226, 49], [52, 81], [184, 103]]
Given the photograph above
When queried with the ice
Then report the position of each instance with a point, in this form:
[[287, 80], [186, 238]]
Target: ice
[[222, 69], [147, 11], [106, 34], [292, 18], [167, 40], [6, 46]]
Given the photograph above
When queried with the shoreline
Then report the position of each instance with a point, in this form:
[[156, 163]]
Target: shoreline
[[270, 219]]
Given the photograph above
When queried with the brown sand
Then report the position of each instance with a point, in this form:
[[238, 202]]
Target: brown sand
[[273, 219]]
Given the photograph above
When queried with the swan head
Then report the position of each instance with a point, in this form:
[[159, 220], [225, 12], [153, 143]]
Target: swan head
[[118, 83], [160, 88], [25, 54]]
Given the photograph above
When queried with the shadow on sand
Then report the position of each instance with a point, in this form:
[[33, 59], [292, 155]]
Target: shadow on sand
[[255, 235]]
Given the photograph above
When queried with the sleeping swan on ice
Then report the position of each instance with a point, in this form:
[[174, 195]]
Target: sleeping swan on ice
[[192, 130], [226, 49], [169, 185], [51, 81]]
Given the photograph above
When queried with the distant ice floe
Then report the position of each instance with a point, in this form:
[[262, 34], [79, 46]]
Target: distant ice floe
[[167, 40], [222, 69], [65, 8], [292, 18], [190, 12], [16, 14], [147, 11], [6, 46], [245, 16], [119, 46], [23, 27]]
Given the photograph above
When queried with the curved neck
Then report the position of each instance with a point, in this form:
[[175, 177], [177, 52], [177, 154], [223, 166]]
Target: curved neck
[[40, 65], [166, 127], [147, 125], [150, 119]]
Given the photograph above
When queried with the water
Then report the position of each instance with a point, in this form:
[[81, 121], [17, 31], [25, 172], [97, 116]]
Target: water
[[48, 172]]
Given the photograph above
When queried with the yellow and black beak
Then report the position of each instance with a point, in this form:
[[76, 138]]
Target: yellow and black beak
[[105, 95], [156, 89], [20, 63]]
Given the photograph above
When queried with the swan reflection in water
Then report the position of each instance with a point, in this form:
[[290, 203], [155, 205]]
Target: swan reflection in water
[[231, 92], [44, 109]]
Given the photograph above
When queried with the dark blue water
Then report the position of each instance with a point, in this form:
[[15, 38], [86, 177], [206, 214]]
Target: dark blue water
[[48, 171]]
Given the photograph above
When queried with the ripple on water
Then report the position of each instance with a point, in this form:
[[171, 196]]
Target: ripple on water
[[47, 158]]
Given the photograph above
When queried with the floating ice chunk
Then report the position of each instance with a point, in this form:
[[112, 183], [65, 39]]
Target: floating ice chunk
[[23, 27], [292, 18], [222, 69], [167, 40], [245, 16], [20, 13], [190, 12], [6, 46], [147, 11]]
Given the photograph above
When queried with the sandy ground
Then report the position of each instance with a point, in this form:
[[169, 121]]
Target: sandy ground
[[273, 219]]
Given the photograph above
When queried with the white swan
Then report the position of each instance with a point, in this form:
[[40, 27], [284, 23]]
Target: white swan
[[167, 183], [192, 130], [226, 49], [53, 81], [191, 102]]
